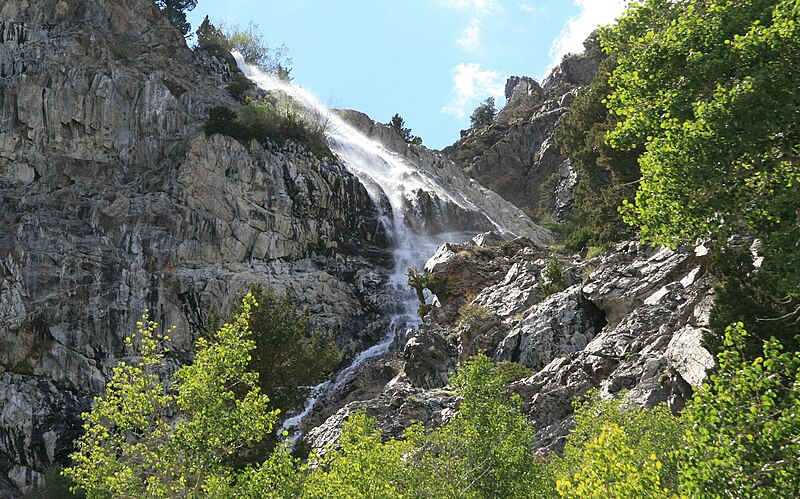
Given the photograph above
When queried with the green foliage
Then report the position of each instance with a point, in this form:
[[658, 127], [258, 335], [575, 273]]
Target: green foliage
[[606, 175], [610, 467], [485, 451], [289, 354], [143, 440], [56, 486], [219, 42], [648, 435], [360, 466], [399, 126], [555, 276], [744, 425], [175, 12], [276, 118], [709, 89], [420, 282], [509, 372], [483, 115], [239, 85], [255, 50], [751, 296], [470, 312]]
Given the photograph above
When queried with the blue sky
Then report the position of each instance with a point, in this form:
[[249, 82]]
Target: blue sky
[[432, 61]]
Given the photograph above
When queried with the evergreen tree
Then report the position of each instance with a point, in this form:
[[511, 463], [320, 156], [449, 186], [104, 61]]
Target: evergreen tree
[[484, 114], [399, 126], [175, 11]]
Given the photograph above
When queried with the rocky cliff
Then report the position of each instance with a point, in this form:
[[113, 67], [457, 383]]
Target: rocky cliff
[[628, 322], [517, 156], [114, 202]]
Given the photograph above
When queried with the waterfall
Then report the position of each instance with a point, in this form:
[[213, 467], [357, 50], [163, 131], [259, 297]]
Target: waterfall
[[389, 176]]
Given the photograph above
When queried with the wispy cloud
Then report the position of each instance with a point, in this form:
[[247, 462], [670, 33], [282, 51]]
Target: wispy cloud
[[470, 85], [471, 37], [530, 9], [593, 13], [481, 6]]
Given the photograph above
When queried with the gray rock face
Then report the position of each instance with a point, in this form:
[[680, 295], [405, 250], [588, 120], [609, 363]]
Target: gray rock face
[[631, 322], [517, 156], [113, 202]]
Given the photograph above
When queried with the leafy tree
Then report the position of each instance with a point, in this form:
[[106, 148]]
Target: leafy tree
[[144, 440], [419, 282], [709, 89], [290, 355], [743, 425], [748, 294], [399, 126], [361, 465], [486, 450], [610, 468], [484, 114], [175, 11], [648, 436]]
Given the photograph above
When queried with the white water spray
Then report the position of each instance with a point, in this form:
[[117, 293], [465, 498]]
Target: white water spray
[[387, 175]]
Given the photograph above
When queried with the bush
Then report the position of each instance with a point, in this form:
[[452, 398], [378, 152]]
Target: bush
[[239, 85], [744, 425], [279, 119], [470, 312], [510, 372], [484, 114], [645, 433], [555, 277], [290, 355]]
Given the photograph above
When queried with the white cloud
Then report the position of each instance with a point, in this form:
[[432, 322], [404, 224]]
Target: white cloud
[[593, 13], [472, 84], [530, 9], [471, 37], [477, 5]]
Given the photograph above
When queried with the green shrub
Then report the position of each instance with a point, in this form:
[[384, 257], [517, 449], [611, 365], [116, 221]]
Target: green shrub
[[279, 119], [555, 277], [510, 372], [645, 433], [239, 85], [290, 355], [471, 312], [745, 421]]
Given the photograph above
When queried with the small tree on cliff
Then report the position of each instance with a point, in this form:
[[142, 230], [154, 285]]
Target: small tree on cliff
[[175, 12], [398, 124], [483, 115]]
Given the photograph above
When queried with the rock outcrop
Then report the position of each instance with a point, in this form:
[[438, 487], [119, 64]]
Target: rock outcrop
[[630, 323], [113, 202], [517, 156]]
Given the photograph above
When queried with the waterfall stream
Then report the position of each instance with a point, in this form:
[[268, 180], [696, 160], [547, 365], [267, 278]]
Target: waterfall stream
[[389, 176]]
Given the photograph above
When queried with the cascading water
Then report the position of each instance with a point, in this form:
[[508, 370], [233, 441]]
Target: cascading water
[[388, 176]]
